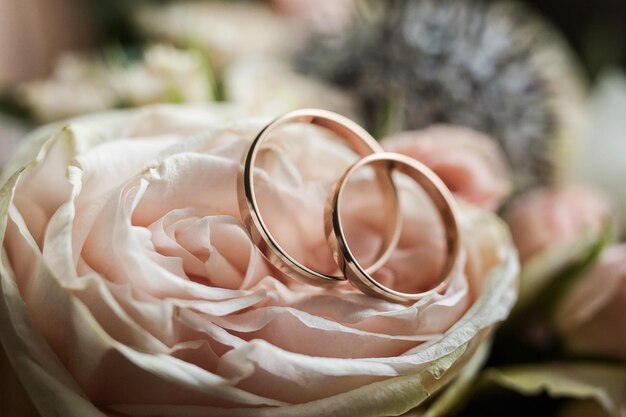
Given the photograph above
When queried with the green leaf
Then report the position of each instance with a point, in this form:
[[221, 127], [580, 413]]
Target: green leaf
[[602, 383], [391, 118], [215, 83]]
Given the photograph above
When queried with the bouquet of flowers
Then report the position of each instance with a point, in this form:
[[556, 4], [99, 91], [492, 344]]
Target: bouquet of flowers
[[131, 281]]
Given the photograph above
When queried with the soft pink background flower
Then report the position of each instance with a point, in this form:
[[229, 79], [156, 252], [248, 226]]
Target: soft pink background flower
[[468, 162], [130, 265], [591, 316], [554, 215]]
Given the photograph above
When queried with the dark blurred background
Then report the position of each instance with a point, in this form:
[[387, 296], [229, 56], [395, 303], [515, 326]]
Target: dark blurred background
[[33, 32], [596, 30]]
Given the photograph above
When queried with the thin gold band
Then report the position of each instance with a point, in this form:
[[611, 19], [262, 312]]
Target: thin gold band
[[357, 139], [434, 188]]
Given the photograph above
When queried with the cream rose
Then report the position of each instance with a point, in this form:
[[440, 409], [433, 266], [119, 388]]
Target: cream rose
[[591, 317], [129, 287], [469, 162], [225, 30], [82, 83], [267, 87]]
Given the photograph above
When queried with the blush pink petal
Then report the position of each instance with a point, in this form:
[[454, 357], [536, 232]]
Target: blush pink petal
[[469, 162]]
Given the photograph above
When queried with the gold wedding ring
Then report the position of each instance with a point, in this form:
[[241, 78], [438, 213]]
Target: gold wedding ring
[[358, 140], [434, 188]]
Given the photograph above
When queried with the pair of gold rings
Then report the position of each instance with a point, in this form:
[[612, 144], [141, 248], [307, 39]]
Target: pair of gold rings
[[384, 163]]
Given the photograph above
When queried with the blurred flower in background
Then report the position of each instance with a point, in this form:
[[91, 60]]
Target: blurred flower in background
[[322, 16], [239, 52], [83, 84], [496, 67], [270, 87], [469, 163], [602, 158], [558, 231], [225, 30], [77, 86], [550, 216], [591, 317]]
